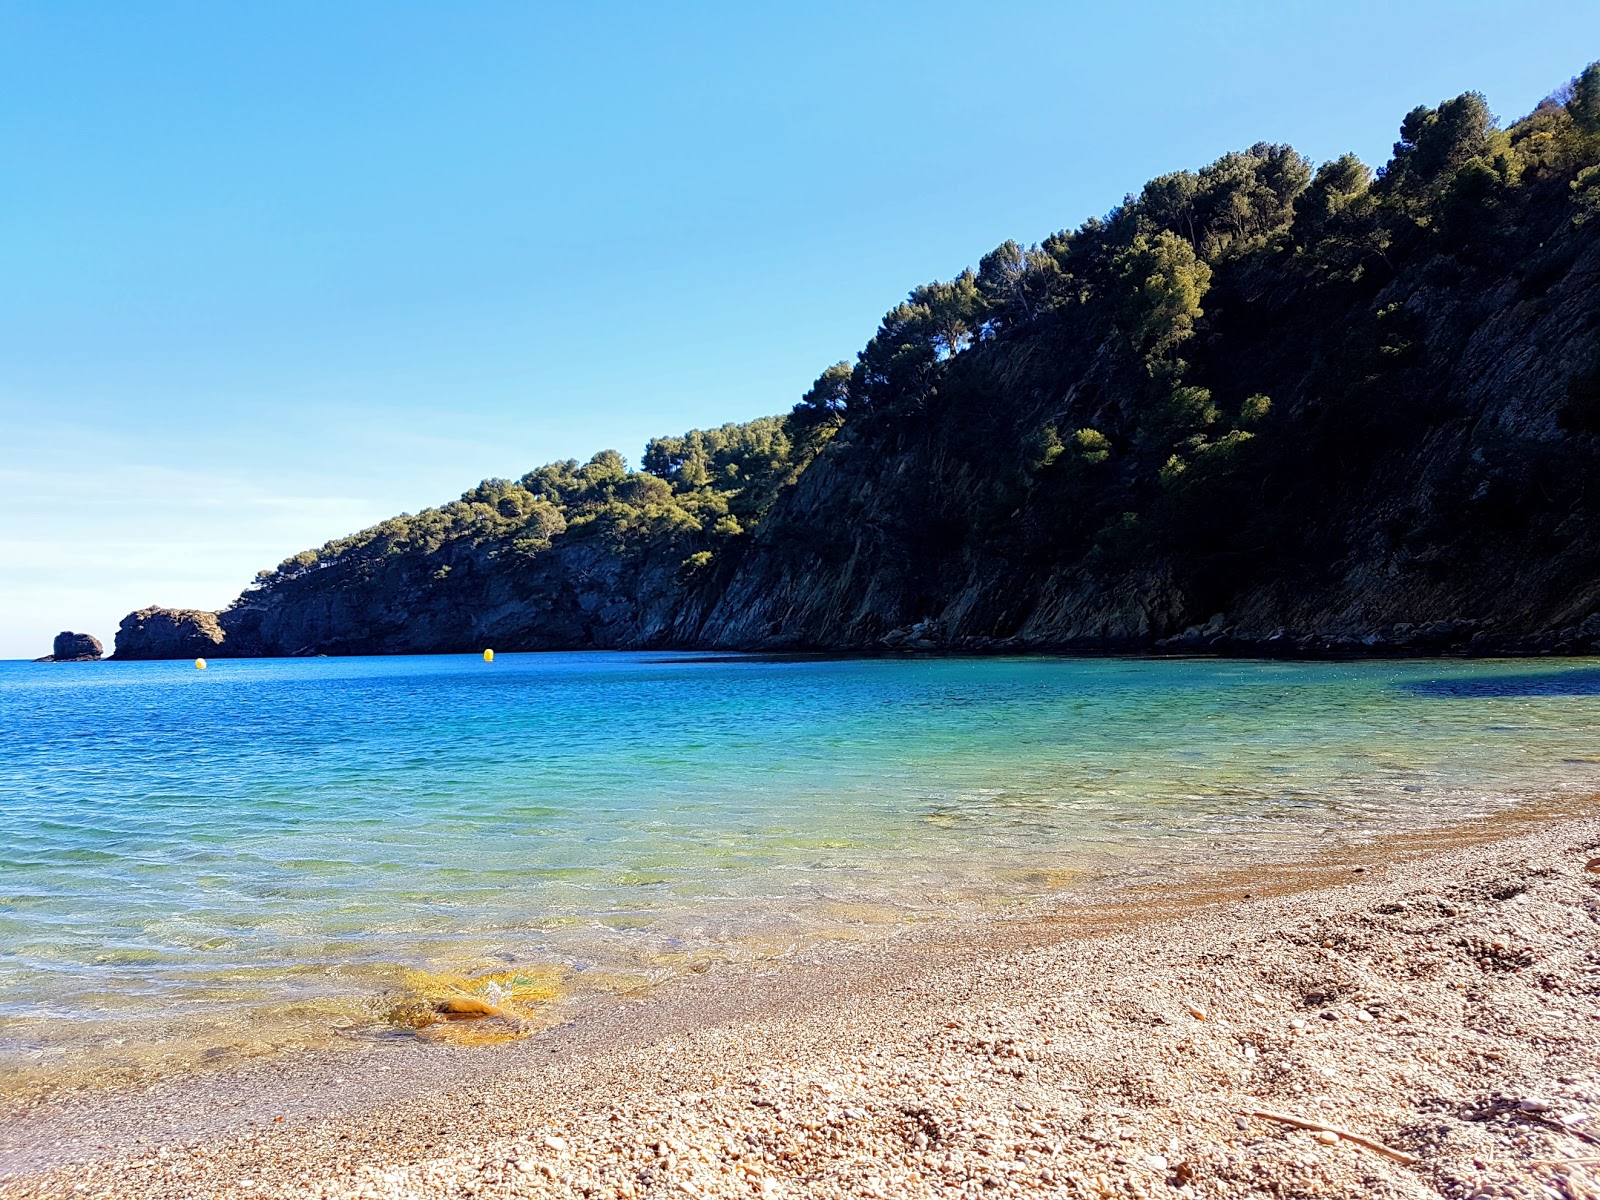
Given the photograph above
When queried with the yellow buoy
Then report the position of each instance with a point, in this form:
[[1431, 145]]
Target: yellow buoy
[[488, 656], [200, 664]]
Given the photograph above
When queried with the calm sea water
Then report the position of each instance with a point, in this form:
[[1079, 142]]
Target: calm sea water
[[204, 861]]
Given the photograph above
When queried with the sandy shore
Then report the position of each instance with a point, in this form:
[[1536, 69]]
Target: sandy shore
[[1437, 996]]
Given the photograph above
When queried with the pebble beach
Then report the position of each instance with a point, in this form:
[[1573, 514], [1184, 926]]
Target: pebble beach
[[1408, 1020]]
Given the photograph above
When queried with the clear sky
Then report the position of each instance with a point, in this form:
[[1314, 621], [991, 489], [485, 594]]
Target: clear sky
[[275, 271]]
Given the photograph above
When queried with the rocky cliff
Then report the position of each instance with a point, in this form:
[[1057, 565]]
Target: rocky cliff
[[1256, 409], [169, 633]]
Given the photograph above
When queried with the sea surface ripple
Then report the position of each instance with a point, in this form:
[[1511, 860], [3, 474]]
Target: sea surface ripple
[[183, 851]]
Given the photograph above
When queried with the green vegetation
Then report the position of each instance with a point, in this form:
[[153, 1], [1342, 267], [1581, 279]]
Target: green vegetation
[[1237, 378], [1116, 316], [696, 492]]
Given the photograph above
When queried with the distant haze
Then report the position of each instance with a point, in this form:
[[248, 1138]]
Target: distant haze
[[276, 273]]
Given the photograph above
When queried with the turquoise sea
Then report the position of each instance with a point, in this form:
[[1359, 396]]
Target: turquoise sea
[[199, 864]]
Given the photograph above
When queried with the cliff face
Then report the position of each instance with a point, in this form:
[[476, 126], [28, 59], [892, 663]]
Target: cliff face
[[169, 633], [579, 594], [1255, 410], [1461, 513]]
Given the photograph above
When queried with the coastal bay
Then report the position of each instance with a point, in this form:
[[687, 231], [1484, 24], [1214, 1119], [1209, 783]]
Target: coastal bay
[[204, 868], [1119, 724]]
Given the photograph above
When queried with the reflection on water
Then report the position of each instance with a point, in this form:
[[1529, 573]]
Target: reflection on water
[[1578, 681], [235, 860]]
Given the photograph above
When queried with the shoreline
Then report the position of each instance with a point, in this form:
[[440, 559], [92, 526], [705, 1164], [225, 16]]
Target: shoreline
[[1533, 647], [334, 1119]]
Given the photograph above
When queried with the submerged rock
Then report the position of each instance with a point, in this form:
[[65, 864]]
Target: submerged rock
[[466, 1008]]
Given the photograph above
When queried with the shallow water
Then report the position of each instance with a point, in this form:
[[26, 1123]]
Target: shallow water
[[233, 860]]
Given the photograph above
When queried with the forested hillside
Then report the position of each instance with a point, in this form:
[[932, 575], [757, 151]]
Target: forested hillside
[[1263, 407]]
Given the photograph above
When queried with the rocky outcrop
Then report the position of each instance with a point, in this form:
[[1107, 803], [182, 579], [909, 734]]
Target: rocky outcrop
[[153, 633], [580, 594], [74, 647]]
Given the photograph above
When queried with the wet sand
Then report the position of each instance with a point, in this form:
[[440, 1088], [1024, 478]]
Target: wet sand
[[1437, 994]]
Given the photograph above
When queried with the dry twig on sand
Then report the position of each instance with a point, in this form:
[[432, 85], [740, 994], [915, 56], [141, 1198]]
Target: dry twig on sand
[[1377, 1147]]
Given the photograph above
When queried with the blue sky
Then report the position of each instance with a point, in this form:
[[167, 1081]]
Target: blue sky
[[273, 272]]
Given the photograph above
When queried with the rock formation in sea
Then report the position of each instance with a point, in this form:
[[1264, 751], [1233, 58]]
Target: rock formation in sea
[[169, 633], [74, 647], [1260, 408]]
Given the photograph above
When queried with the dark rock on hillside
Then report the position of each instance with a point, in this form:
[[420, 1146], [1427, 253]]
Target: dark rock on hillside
[[169, 633], [74, 647]]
